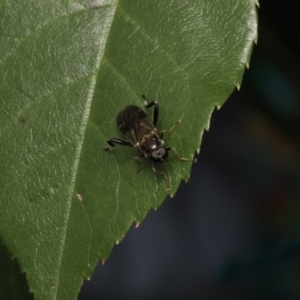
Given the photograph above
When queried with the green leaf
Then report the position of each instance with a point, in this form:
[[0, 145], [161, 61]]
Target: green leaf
[[13, 284], [67, 68]]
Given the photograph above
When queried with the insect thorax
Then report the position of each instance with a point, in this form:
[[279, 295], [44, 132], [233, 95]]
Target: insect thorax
[[153, 146]]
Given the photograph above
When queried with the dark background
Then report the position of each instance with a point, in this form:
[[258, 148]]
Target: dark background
[[231, 232]]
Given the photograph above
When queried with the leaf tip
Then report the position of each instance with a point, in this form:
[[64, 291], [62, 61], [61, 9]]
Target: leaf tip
[[103, 261], [137, 224]]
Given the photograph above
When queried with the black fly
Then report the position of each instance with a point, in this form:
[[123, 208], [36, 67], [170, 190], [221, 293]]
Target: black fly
[[141, 133]]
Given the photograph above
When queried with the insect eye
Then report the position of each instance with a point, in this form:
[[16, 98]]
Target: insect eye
[[159, 154]]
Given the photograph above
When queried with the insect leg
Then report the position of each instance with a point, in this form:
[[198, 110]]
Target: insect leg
[[140, 165], [170, 130], [174, 126], [180, 157], [112, 142], [155, 112], [163, 174]]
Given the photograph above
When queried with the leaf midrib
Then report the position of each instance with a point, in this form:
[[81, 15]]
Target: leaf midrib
[[82, 130]]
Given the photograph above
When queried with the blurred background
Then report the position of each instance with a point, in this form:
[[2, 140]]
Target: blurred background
[[231, 232]]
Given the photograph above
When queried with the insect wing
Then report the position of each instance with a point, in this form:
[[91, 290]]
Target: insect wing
[[134, 124]]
